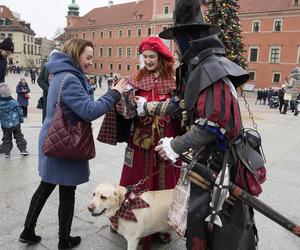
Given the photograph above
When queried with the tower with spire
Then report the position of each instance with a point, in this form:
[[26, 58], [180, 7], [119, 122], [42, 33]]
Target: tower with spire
[[73, 9], [73, 14]]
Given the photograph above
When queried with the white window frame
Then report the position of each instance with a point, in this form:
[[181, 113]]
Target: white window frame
[[119, 51], [273, 74], [100, 65], [276, 20], [249, 56], [128, 64], [137, 32], [111, 66], [109, 48], [119, 66], [130, 33], [254, 72], [270, 53], [259, 25], [100, 51], [298, 56], [108, 32], [120, 33], [166, 7], [130, 51]]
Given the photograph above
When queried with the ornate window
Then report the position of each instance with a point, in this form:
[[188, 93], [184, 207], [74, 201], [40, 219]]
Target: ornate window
[[277, 25], [253, 54], [274, 55], [255, 26]]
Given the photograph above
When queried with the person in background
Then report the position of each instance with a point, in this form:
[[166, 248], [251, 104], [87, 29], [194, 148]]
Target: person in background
[[209, 82], [91, 88], [110, 82], [69, 65], [6, 49], [100, 81], [43, 82], [11, 117], [32, 73], [23, 91], [280, 94]]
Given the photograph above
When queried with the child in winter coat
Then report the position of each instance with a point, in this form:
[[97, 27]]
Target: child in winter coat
[[11, 117], [22, 90]]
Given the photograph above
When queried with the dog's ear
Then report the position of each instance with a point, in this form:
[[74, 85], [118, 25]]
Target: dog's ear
[[119, 194]]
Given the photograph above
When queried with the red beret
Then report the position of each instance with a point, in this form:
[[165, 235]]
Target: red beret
[[157, 45]]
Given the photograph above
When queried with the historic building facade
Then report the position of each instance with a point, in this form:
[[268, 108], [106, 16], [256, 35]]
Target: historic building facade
[[27, 51], [271, 33], [117, 30]]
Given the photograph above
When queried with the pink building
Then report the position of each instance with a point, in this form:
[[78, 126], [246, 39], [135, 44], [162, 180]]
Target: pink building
[[271, 31], [116, 31]]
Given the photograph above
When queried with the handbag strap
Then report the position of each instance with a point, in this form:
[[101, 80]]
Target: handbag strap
[[60, 88]]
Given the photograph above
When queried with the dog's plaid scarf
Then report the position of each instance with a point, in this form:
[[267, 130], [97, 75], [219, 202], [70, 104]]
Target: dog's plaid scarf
[[131, 201]]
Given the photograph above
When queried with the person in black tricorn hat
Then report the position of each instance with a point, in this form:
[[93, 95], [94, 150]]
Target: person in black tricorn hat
[[207, 82]]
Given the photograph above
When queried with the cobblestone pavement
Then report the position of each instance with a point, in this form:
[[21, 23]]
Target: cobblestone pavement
[[19, 178]]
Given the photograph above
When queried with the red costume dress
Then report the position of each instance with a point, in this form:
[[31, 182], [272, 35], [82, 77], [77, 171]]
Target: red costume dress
[[142, 159]]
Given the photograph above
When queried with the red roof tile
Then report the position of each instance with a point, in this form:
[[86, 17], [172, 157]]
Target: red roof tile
[[117, 14], [16, 24]]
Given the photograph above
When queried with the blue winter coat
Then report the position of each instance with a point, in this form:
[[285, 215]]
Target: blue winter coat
[[77, 105], [11, 114], [21, 89]]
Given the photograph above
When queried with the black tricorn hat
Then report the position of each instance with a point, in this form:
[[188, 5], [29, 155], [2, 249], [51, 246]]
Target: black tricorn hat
[[187, 16]]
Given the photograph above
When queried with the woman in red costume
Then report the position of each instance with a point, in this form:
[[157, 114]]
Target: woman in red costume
[[154, 87]]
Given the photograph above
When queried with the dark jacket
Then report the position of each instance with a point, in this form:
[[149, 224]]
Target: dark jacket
[[76, 105], [3, 65], [21, 90], [43, 82]]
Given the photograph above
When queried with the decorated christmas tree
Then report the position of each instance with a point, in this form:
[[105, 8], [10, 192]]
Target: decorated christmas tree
[[224, 13]]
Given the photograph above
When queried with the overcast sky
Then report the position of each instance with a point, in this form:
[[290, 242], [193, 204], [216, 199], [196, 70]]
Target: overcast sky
[[47, 16]]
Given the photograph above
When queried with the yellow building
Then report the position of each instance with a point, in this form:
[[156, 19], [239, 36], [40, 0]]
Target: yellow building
[[27, 52]]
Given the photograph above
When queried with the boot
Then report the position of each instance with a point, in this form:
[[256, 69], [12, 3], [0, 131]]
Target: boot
[[69, 243], [37, 203], [28, 236], [65, 217]]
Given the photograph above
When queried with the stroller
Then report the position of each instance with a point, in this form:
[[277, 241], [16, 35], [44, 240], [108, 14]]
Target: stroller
[[274, 102]]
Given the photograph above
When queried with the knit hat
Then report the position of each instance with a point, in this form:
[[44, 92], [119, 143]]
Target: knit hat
[[157, 45], [4, 90], [7, 44]]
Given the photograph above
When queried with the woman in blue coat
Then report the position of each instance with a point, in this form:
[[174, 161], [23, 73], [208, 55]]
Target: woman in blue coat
[[22, 90], [70, 65]]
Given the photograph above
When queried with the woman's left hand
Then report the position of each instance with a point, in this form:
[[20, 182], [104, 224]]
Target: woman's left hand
[[121, 85]]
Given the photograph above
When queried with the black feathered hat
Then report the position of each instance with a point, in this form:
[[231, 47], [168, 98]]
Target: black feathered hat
[[187, 16]]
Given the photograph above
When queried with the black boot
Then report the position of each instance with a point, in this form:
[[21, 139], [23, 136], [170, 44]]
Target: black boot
[[28, 236], [69, 243], [37, 203], [65, 217]]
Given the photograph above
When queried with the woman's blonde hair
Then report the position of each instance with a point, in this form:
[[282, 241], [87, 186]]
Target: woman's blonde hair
[[75, 47]]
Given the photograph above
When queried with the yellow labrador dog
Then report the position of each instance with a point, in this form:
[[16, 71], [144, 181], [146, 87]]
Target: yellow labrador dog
[[108, 199]]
